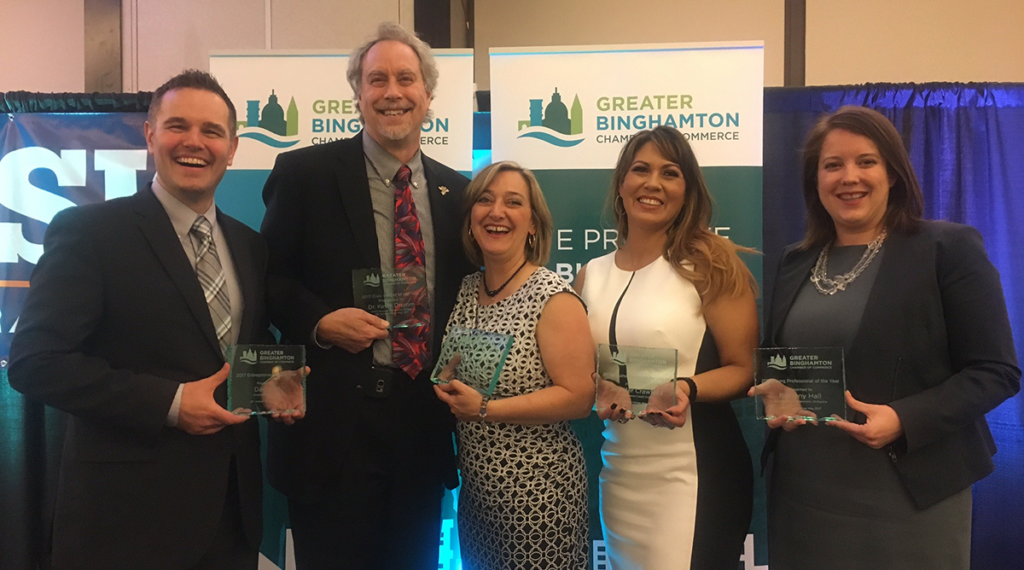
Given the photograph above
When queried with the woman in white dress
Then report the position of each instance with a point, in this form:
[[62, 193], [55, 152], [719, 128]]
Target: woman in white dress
[[676, 488]]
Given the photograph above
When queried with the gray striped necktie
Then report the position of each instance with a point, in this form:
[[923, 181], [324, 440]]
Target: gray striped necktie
[[211, 277]]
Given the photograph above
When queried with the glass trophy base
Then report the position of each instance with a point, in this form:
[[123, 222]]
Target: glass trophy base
[[390, 296], [794, 418], [474, 357], [635, 376], [266, 379], [800, 384]]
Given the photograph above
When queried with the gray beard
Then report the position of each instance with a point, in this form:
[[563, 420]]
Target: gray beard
[[396, 133]]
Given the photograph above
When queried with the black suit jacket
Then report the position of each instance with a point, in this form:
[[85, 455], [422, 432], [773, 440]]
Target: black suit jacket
[[114, 320], [934, 344], [319, 227]]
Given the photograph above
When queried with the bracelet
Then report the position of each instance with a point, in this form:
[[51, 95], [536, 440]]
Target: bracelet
[[483, 407], [693, 387]]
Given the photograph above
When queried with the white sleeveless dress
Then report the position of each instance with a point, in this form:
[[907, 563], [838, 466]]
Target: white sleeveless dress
[[654, 495]]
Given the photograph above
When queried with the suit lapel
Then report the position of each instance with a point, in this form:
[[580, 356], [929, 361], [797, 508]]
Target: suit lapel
[[156, 227], [354, 186], [884, 300], [873, 347], [790, 279], [245, 272]]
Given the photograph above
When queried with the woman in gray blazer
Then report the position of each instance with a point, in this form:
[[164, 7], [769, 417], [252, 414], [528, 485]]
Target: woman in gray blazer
[[919, 311]]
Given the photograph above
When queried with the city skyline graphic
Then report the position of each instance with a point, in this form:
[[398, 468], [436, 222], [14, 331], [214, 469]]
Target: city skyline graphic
[[777, 362], [271, 125], [555, 123]]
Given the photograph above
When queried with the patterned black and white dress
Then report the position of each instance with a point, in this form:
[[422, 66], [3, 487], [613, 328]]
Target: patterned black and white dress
[[523, 502]]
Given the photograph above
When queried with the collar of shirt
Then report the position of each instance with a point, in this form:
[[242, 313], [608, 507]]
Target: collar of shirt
[[387, 165], [182, 217]]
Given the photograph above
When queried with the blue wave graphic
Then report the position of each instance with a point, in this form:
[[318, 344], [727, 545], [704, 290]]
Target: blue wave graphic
[[260, 137], [550, 139]]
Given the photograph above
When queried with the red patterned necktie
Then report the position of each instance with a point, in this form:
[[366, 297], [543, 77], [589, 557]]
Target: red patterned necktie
[[409, 344]]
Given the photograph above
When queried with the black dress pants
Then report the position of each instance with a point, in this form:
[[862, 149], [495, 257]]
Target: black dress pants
[[375, 521], [230, 549]]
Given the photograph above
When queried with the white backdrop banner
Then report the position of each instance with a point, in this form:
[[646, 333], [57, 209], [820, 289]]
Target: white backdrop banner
[[567, 112], [291, 99], [574, 107]]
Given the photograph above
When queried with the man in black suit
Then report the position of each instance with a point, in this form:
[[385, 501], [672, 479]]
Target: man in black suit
[[365, 471], [125, 325]]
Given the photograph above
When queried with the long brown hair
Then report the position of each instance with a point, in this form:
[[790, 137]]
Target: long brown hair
[[906, 205], [716, 268]]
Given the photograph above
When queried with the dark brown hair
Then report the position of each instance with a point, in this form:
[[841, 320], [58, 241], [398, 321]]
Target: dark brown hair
[[193, 79], [695, 252], [906, 205]]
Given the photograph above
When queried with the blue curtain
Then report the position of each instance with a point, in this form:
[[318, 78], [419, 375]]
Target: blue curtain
[[967, 145]]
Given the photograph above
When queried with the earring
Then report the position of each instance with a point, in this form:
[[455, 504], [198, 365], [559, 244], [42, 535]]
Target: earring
[[618, 206], [472, 238], [531, 240]]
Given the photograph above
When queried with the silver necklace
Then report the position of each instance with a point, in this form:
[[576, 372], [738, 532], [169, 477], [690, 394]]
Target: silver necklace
[[829, 286]]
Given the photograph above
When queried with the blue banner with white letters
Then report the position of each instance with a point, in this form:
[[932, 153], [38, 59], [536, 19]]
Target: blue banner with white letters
[[49, 162]]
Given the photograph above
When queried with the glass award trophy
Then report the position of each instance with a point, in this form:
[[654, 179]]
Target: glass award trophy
[[473, 357], [390, 296], [645, 376], [800, 383], [266, 379]]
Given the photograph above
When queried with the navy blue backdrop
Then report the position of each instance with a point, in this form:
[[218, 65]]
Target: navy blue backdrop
[[967, 145]]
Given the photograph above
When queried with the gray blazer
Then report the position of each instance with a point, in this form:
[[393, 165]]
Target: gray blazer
[[934, 344]]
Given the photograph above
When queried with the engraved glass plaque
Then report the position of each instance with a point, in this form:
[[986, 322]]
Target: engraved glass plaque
[[473, 357], [800, 383], [647, 375], [266, 379], [390, 296]]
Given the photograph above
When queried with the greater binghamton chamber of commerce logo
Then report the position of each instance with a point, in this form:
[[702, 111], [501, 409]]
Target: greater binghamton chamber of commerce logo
[[273, 126], [248, 357], [554, 124], [777, 362]]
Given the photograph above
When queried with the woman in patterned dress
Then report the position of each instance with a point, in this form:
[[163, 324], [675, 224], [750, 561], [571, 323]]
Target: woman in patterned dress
[[523, 502]]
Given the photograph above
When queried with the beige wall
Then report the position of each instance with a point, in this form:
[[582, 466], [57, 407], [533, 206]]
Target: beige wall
[[869, 41], [162, 37], [458, 24], [520, 23], [43, 45], [169, 42], [330, 24], [914, 41]]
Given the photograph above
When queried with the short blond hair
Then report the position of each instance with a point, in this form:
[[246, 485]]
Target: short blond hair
[[540, 251]]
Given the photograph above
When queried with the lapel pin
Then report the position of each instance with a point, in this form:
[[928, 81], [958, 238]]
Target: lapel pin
[[443, 189]]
